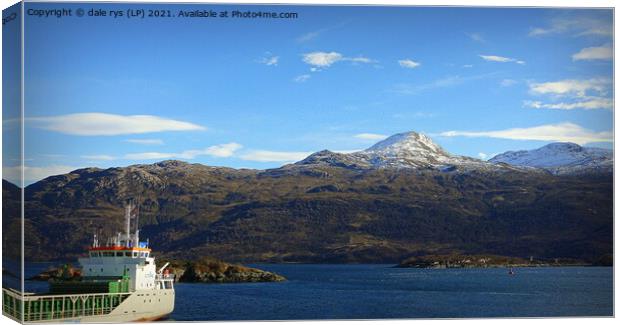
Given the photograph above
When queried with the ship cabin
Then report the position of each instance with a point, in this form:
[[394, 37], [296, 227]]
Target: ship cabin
[[125, 256]]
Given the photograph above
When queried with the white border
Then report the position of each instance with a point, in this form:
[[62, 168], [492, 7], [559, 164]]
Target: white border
[[474, 3]]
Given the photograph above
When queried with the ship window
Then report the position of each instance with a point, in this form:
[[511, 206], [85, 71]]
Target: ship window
[[119, 253], [142, 254], [135, 254], [108, 254], [128, 254]]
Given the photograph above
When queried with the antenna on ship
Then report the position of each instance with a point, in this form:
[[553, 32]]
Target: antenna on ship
[[137, 224], [128, 208]]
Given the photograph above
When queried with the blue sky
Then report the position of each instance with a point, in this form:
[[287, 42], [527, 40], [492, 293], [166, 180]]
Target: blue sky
[[259, 93]]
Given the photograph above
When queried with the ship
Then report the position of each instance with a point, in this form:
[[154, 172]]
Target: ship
[[119, 282]]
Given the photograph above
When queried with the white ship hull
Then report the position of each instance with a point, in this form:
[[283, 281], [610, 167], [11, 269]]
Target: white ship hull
[[143, 305]]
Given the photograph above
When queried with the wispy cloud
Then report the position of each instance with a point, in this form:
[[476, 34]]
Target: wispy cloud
[[572, 94], [408, 63], [576, 26], [312, 35], [449, 81], [274, 156], [572, 87], [220, 151], [302, 78], [98, 157], [269, 59], [476, 37], [309, 36], [603, 52], [322, 60], [503, 59], [592, 103], [565, 132], [413, 115], [468, 65], [146, 141], [34, 174], [508, 82], [370, 136], [93, 124], [151, 155]]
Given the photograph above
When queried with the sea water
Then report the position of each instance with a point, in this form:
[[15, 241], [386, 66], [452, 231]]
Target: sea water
[[328, 291], [382, 291]]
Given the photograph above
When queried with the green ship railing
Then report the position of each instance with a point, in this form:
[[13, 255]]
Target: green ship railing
[[58, 307]]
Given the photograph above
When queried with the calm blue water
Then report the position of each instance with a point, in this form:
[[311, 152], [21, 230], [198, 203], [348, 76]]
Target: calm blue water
[[380, 291]]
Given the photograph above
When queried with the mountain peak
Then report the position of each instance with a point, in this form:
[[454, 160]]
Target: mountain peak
[[407, 144], [560, 158]]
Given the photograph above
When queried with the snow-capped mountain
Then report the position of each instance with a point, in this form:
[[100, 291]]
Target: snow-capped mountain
[[560, 158], [403, 150], [418, 151]]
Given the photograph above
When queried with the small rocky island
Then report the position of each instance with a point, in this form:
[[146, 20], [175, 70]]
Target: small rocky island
[[204, 270], [211, 270], [483, 261]]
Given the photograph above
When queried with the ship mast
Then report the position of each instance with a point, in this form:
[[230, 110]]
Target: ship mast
[[128, 208]]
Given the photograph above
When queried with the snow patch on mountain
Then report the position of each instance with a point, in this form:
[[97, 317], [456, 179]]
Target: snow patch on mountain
[[560, 158], [403, 150]]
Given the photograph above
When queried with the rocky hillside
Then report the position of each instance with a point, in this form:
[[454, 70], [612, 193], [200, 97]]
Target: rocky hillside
[[403, 198]]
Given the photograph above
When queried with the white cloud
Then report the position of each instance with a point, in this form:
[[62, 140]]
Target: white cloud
[[497, 58], [408, 63], [592, 103], [577, 26], [565, 132], [483, 155], [571, 87], [468, 65], [274, 156], [359, 59], [98, 157], [302, 78], [270, 60], [34, 174], [220, 151], [370, 136], [92, 124], [146, 141], [322, 59], [326, 59], [507, 82], [594, 53]]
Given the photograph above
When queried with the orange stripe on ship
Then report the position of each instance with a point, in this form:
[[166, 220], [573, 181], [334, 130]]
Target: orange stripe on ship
[[119, 248]]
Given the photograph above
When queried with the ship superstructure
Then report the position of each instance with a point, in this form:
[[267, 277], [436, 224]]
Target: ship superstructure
[[119, 283]]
